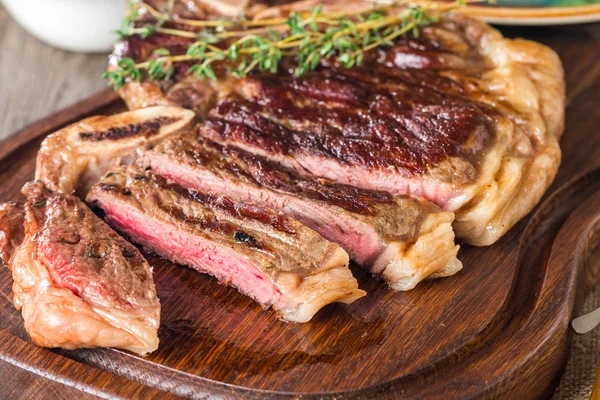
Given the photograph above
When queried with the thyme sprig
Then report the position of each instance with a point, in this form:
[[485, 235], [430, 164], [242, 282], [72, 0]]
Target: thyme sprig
[[244, 45]]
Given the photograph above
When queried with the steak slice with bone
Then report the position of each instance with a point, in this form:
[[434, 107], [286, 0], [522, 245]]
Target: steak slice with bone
[[405, 239], [76, 281], [267, 256], [74, 158]]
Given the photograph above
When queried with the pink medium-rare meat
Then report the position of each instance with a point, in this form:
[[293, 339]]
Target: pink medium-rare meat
[[74, 158], [405, 239], [76, 282], [267, 256]]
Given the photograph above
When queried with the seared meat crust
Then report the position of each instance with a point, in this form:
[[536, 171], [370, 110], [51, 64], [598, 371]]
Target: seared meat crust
[[74, 158]]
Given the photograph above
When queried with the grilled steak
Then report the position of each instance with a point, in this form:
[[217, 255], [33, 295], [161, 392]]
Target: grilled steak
[[403, 238], [76, 282], [269, 257], [77, 156], [485, 149], [459, 115]]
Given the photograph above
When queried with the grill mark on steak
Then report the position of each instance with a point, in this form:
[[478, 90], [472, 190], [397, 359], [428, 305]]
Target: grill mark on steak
[[234, 209], [243, 237], [429, 126], [234, 122], [268, 174], [146, 128]]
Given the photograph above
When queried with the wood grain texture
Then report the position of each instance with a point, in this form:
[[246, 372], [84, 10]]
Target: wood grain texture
[[460, 336], [36, 79]]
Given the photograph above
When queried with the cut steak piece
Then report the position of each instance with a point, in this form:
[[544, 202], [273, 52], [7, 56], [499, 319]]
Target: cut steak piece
[[405, 239], [74, 158], [271, 258], [76, 281], [354, 145]]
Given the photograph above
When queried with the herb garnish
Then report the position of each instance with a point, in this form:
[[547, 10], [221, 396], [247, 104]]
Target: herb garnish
[[248, 45]]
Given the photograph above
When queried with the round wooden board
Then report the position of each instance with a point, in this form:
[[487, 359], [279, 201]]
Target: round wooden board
[[498, 328]]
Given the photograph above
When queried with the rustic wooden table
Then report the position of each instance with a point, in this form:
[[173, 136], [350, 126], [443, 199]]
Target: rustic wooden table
[[36, 80]]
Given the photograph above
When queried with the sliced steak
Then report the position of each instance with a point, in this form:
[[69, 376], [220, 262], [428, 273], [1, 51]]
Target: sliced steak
[[74, 158], [267, 256], [405, 239], [76, 281], [459, 115]]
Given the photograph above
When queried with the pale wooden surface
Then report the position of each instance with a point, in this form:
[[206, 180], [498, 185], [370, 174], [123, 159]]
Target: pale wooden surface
[[36, 79]]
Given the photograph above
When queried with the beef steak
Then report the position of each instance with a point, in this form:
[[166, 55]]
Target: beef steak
[[458, 115], [74, 158]]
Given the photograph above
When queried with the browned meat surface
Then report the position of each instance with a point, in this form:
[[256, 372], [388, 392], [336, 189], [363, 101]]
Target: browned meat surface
[[403, 238], [76, 282], [460, 115], [76, 157], [373, 133], [269, 257]]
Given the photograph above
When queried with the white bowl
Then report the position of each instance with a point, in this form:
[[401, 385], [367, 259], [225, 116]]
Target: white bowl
[[75, 25]]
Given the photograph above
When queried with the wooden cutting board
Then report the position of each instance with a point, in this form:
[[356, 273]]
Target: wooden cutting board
[[498, 328]]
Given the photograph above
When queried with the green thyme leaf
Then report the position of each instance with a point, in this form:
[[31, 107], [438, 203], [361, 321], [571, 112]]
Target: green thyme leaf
[[162, 52]]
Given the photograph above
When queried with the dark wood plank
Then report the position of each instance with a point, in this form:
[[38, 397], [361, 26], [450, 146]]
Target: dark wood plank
[[498, 328]]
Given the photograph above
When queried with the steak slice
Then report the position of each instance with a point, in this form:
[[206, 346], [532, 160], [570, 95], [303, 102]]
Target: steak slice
[[74, 158], [405, 239], [76, 282], [267, 256]]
